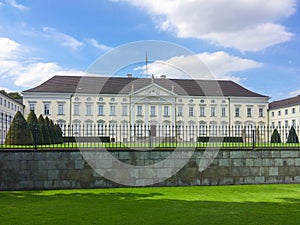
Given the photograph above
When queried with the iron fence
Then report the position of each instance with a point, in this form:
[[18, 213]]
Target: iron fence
[[162, 136]]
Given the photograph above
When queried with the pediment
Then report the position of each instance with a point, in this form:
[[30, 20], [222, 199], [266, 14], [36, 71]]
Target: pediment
[[153, 90]]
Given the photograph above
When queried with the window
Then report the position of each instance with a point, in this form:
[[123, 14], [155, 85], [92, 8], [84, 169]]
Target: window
[[152, 110], [223, 111], [286, 123], [112, 110], [139, 110], [166, 110], [293, 123], [279, 123], [76, 109], [237, 112], [249, 112], [4, 102], [279, 113], [202, 111], [213, 111], [101, 128], [273, 114], [286, 111], [8, 104], [179, 111], [273, 124], [191, 111], [31, 106], [293, 110], [100, 110], [0, 101], [61, 110], [261, 112], [124, 110], [88, 109], [47, 109]]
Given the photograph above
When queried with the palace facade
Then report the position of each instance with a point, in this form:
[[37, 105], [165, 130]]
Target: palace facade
[[85, 101]]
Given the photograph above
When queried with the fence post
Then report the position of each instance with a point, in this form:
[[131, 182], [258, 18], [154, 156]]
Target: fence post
[[35, 138], [253, 138]]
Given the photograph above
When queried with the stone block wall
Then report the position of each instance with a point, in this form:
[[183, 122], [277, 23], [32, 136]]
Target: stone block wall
[[23, 170]]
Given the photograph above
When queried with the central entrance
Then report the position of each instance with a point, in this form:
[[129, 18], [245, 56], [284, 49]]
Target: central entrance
[[153, 130]]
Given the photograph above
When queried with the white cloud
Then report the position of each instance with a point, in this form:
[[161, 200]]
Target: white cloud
[[27, 73], [63, 39], [97, 45], [16, 5], [8, 47], [217, 65], [294, 93], [244, 25]]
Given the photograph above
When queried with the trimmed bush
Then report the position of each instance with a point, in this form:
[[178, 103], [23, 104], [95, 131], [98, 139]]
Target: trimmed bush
[[292, 137], [45, 130], [275, 138], [33, 124], [19, 132], [59, 134]]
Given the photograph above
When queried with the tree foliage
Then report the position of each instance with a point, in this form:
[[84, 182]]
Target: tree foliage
[[19, 132], [35, 128], [275, 138], [292, 137], [45, 130], [13, 95]]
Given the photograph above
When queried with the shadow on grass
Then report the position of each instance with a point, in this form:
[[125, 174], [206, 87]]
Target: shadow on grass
[[84, 207]]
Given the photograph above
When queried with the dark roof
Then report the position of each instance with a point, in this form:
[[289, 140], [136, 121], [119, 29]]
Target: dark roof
[[285, 102], [119, 85]]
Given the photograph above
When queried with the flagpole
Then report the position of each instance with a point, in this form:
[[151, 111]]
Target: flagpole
[[146, 64]]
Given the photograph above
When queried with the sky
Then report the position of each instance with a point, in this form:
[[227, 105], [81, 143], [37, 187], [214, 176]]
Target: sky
[[255, 43]]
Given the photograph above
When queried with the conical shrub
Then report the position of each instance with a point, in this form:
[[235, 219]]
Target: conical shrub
[[292, 137], [19, 132], [275, 138], [45, 130], [59, 134], [35, 128]]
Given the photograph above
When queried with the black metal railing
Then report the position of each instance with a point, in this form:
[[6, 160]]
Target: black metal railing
[[125, 136]]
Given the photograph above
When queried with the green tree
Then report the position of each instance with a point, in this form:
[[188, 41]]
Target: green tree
[[50, 130], [292, 137], [59, 134], [54, 133], [45, 130], [275, 138], [14, 95], [35, 128], [19, 132]]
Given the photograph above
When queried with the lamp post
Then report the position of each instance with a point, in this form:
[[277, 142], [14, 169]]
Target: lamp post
[[35, 138]]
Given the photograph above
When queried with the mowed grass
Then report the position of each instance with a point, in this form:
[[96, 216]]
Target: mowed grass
[[146, 145], [247, 204]]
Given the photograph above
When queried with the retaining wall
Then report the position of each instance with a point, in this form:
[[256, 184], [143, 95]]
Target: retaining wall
[[21, 170]]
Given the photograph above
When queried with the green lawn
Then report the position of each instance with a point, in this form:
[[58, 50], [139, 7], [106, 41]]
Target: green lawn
[[153, 145], [255, 204]]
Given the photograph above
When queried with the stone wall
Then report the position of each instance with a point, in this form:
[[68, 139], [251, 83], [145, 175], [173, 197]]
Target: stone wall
[[21, 170]]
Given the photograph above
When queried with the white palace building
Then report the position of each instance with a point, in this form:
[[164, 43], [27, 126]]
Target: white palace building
[[8, 109], [86, 101]]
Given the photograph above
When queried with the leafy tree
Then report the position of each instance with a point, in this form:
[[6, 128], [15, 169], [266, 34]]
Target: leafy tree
[[292, 137], [50, 129], [275, 138], [45, 130], [19, 132], [53, 131], [14, 95], [33, 124], [59, 134]]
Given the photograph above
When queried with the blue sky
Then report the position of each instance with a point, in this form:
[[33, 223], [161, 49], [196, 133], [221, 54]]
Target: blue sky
[[255, 43]]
